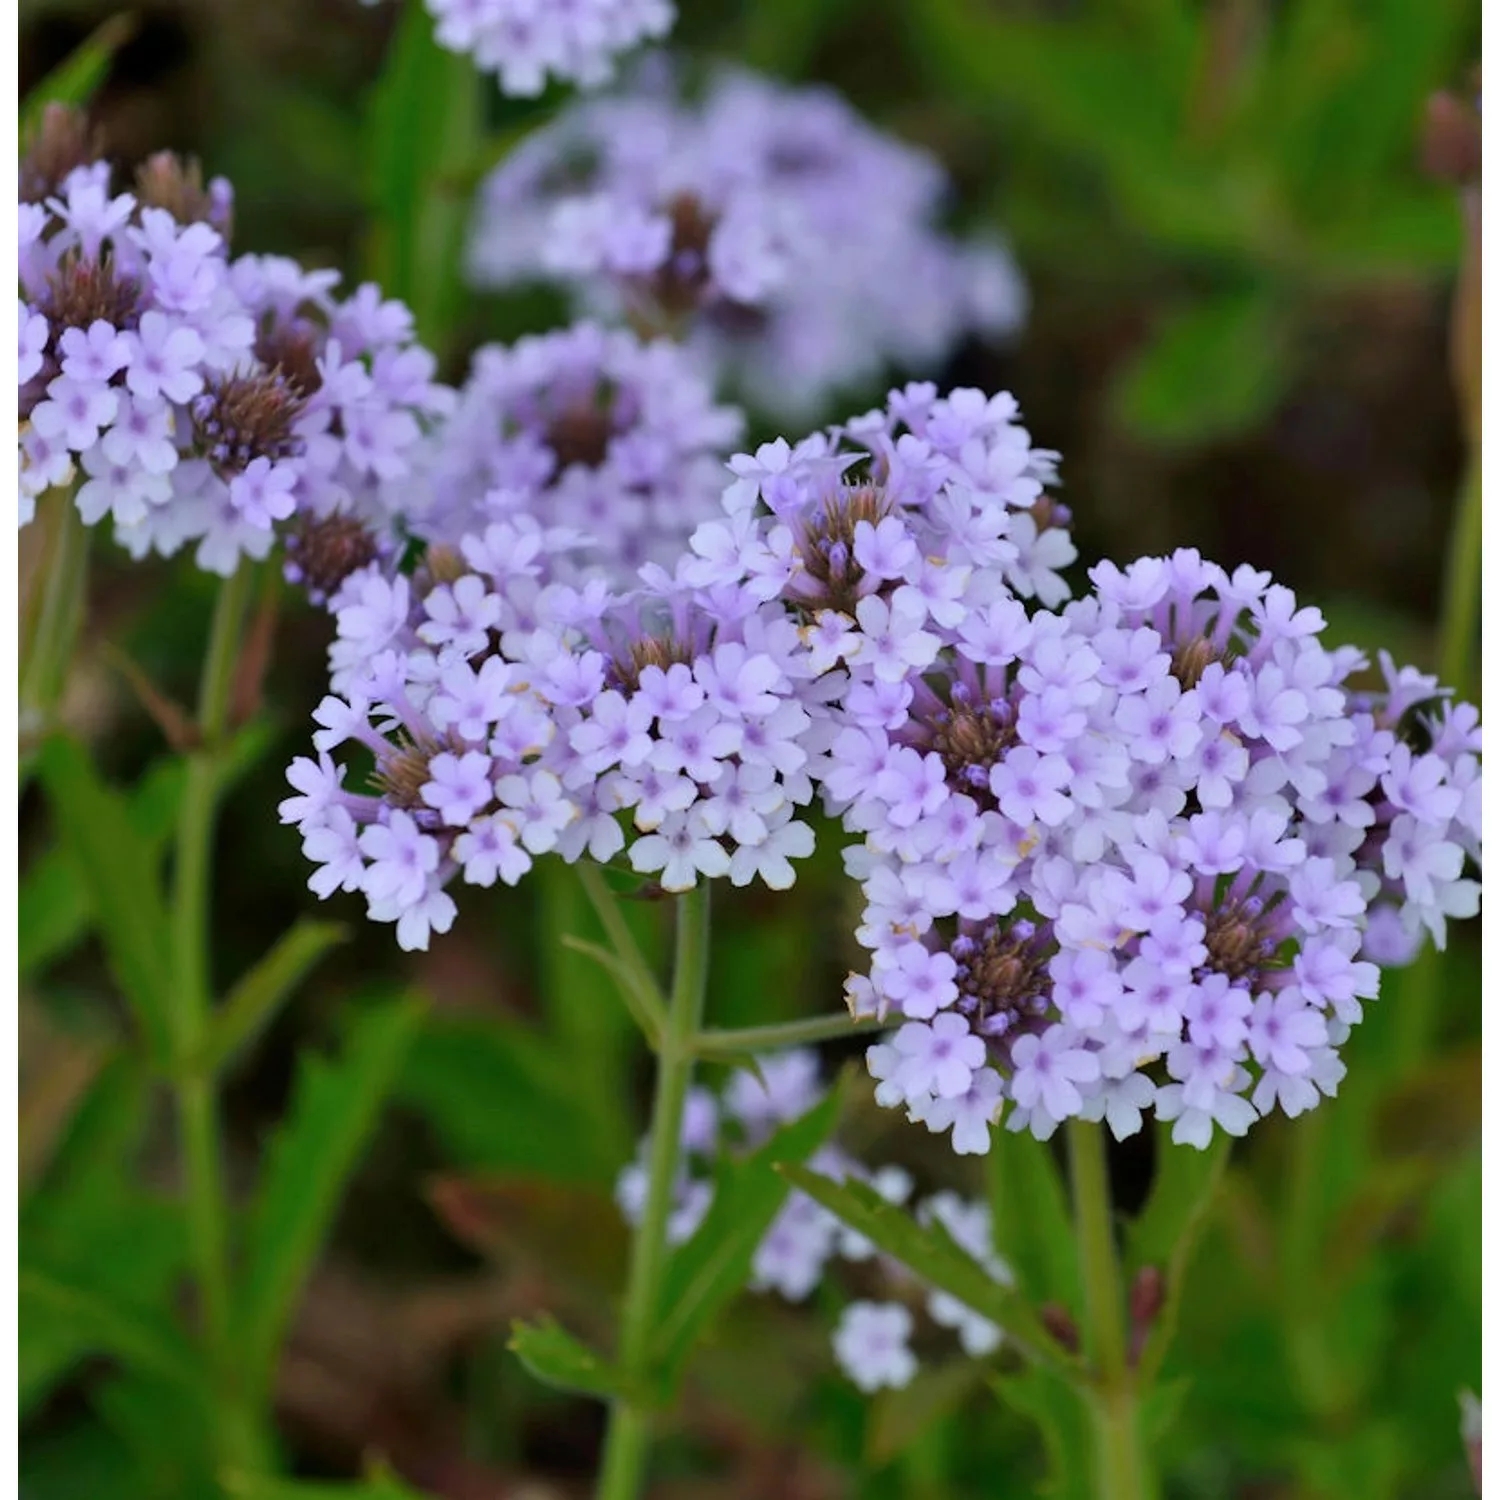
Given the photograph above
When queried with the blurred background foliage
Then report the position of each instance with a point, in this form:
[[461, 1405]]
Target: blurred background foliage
[[1240, 285]]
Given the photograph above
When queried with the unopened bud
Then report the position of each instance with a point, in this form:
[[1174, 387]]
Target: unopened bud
[[1058, 1321]]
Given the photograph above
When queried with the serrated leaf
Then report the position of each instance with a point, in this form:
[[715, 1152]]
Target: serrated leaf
[[75, 79], [930, 1254], [707, 1271], [1166, 1231], [1210, 371], [254, 1000], [424, 129], [117, 866], [557, 1359], [899, 1417], [137, 1337], [484, 1084], [334, 1109], [55, 906], [1032, 1229]]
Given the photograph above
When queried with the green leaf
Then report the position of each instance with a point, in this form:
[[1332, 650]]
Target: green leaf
[[1032, 1228], [55, 908], [135, 1336], [381, 1485], [333, 1112], [260, 992], [557, 1359], [1166, 1231], [75, 79], [1211, 371], [163, 1429], [899, 1418], [484, 1083], [707, 1271], [1060, 1411], [424, 130], [930, 1253], [117, 867]]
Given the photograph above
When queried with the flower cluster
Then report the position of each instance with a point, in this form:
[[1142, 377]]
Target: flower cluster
[[1123, 856], [744, 220], [592, 432], [872, 1340], [204, 399], [525, 42], [509, 717], [687, 715]]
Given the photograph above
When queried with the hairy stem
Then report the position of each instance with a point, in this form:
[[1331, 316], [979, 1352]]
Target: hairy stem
[[1121, 1463], [744, 1039], [622, 1470]]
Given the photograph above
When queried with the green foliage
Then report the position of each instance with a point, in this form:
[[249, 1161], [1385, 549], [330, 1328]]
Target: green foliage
[[1032, 1228], [55, 907], [555, 1357], [929, 1252], [484, 1084], [308, 1162], [76, 79], [116, 865], [713, 1265], [424, 133], [251, 1004], [1165, 1234]]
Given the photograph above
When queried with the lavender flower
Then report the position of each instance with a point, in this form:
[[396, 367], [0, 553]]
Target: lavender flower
[[204, 400], [525, 42], [745, 220], [1124, 856], [613, 440]]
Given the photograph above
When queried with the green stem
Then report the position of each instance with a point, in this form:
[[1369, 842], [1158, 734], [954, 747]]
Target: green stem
[[622, 1470], [1458, 628], [53, 627], [740, 1040], [1121, 1462], [191, 1000]]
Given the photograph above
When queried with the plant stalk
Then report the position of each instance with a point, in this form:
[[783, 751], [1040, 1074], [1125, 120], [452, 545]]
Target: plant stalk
[[1458, 628], [623, 1467], [1121, 1464], [191, 1001], [52, 628]]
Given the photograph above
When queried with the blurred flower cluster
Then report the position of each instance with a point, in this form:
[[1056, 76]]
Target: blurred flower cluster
[[872, 1340], [799, 248]]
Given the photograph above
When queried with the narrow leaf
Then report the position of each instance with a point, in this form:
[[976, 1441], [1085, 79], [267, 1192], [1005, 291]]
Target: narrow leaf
[[1033, 1230], [333, 1111], [131, 1335], [557, 1359], [1166, 1231], [55, 908], [932, 1256], [76, 78], [626, 951], [637, 1000], [708, 1270], [116, 865], [260, 993], [425, 128]]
